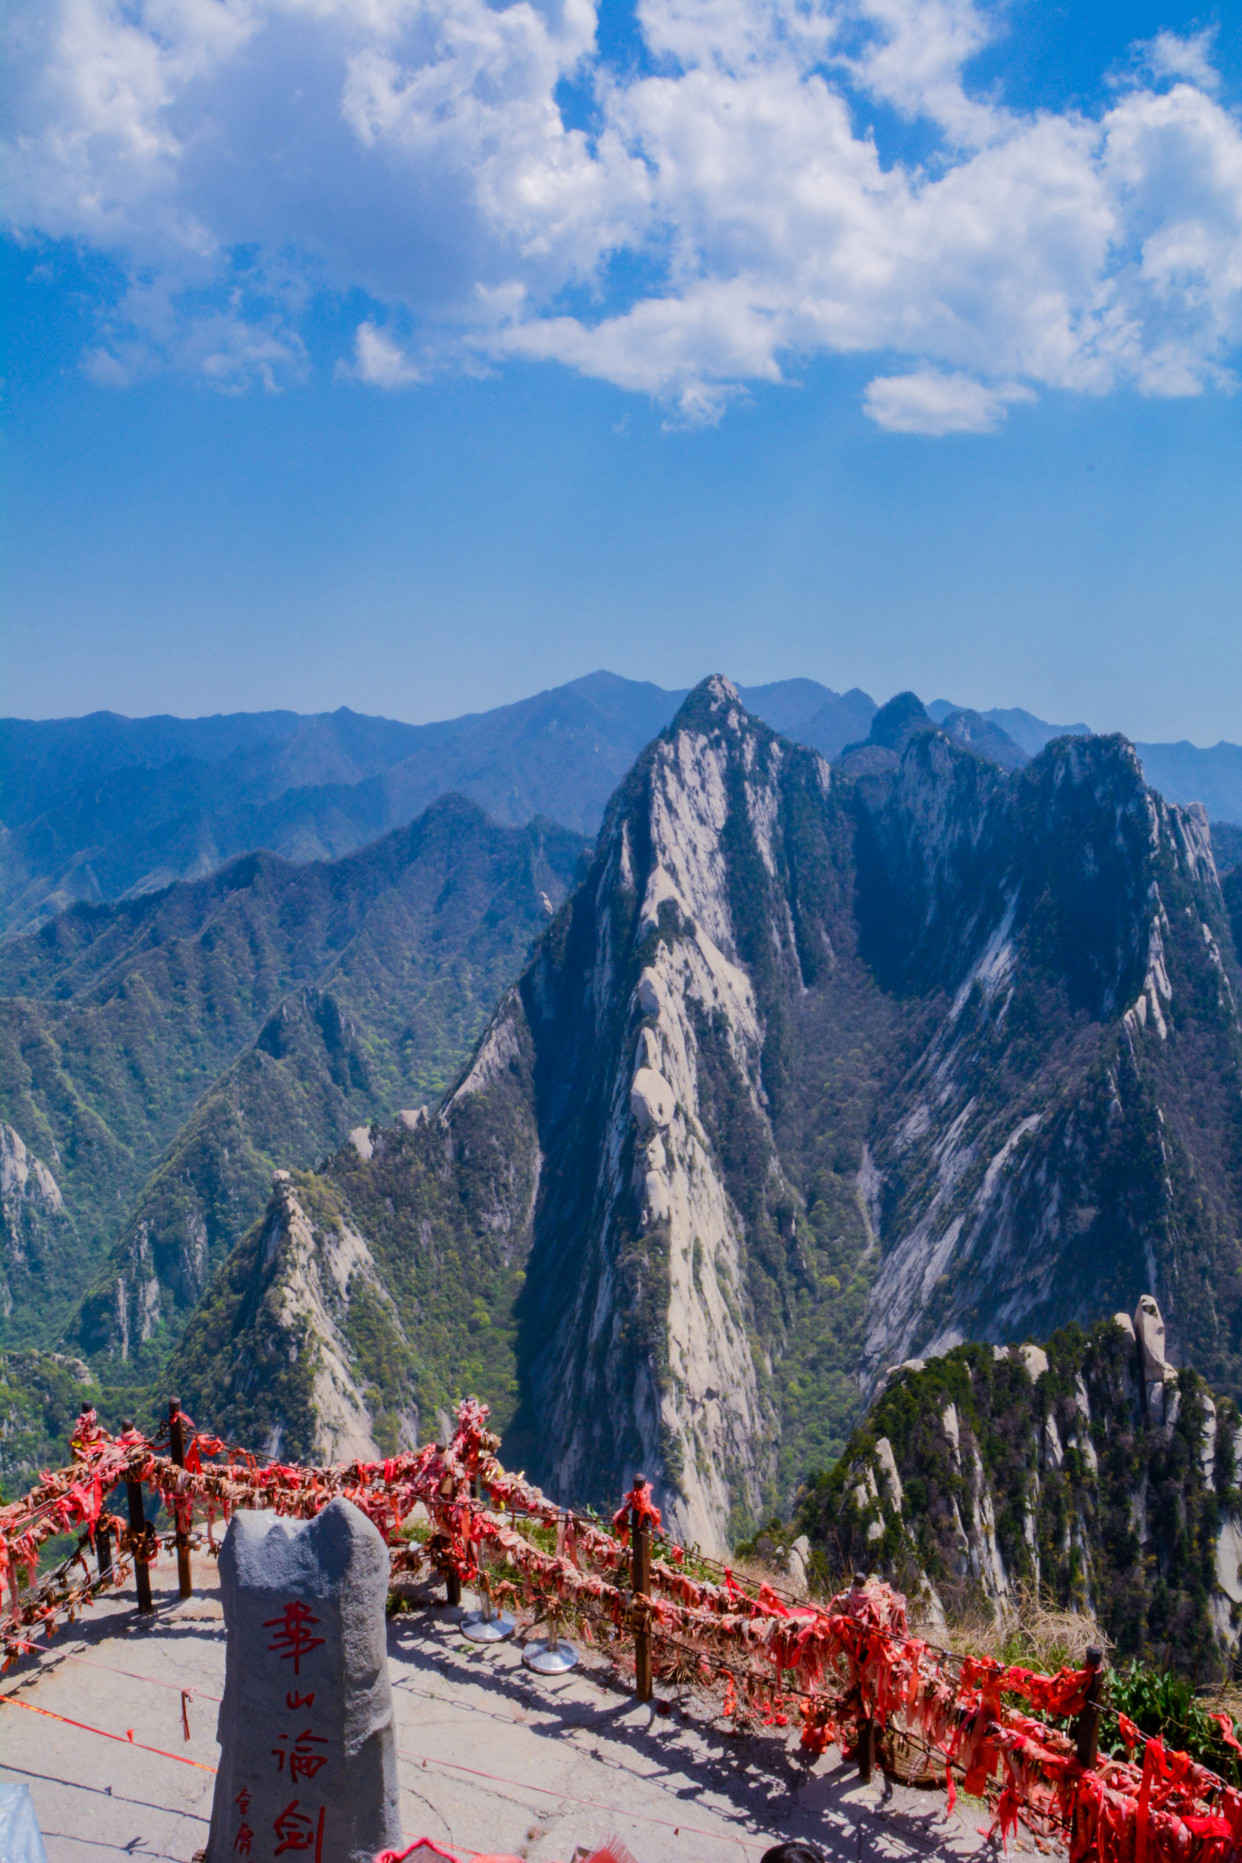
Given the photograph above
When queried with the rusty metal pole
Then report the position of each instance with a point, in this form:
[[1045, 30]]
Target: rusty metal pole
[[138, 1529], [103, 1549], [176, 1446], [640, 1579], [1087, 1726]]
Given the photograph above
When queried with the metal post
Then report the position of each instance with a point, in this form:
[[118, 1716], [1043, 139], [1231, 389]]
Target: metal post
[[103, 1549], [1087, 1726], [866, 1750], [487, 1625], [176, 1445], [138, 1528], [640, 1579], [447, 1491], [552, 1657]]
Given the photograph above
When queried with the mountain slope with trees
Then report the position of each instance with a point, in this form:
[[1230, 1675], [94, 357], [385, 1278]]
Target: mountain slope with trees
[[161, 1056], [1088, 1472]]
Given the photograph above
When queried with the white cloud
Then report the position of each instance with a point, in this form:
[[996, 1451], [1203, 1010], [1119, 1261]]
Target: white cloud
[[929, 401], [238, 156], [380, 361], [1189, 57]]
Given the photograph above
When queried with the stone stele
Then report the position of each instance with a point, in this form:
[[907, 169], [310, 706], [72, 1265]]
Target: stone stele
[[308, 1763]]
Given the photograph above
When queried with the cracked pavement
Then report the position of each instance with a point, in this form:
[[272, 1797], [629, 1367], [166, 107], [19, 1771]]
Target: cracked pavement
[[491, 1757]]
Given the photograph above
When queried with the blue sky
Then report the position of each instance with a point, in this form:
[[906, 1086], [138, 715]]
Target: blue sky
[[414, 356]]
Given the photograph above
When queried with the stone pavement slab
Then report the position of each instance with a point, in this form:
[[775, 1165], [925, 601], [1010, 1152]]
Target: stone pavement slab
[[490, 1756]]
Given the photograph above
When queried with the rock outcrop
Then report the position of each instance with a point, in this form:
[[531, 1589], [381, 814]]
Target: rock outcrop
[[298, 1324], [1090, 1473], [38, 1240]]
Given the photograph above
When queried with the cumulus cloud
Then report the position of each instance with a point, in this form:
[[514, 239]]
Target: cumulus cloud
[[929, 401], [703, 221]]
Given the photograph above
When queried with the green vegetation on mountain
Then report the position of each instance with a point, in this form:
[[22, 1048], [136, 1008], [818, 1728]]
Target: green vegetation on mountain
[[1075, 1482], [41, 1396], [814, 1070], [1232, 890], [161, 1056], [437, 1326]]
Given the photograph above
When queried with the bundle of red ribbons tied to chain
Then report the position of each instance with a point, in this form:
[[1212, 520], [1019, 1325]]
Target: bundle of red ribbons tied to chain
[[848, 1668]]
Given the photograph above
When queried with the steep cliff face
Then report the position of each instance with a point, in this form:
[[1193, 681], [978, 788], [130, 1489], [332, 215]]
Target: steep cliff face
[[38, 1241], [1071, 1133], [303, 1300], [665, 1220], [631, 1145], [813, 1071], [1092, 1471]]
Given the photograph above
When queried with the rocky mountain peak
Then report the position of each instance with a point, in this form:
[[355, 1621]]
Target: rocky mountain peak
[[894, 722], [714, 704], [653, 998], [812, 1072]]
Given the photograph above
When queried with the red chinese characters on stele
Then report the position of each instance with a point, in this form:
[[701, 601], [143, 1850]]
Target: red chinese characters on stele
[[293, 1638], [245, 1836], [298, 1751], [296, 1829]]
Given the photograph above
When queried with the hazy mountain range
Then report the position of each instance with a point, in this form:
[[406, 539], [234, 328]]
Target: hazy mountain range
[[807, 1044], [103, 807]]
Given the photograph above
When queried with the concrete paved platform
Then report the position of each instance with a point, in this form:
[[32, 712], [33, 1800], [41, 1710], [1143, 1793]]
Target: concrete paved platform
[[492, 1757]]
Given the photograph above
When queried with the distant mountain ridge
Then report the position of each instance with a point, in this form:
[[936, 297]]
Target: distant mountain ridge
[[104, 807], [904, 716], [1027, 731]]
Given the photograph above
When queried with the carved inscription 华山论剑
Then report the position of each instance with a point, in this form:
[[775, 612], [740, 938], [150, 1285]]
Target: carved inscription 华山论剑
[[307, 1760]]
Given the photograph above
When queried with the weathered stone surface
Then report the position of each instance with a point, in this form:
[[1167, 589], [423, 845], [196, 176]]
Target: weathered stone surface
[[652, 1100], [307, 1755], [797, 1565], [1035, 1359], [888, 1462], [1149, 1330]]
